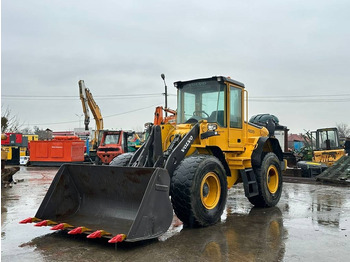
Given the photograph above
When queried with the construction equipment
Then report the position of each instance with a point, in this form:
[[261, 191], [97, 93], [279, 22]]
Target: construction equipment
[[4, 153], [6, 173], [16, 145], [211, 148], [326, 150], [159, 119], [88, 101], [114, 143]]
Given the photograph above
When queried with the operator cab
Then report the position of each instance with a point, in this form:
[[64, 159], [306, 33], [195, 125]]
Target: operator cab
[[327, 139], [206, 99]]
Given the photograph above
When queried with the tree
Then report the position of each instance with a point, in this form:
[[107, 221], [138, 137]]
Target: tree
[[9, 123], [43, 134], [343, 130], [4, 124], [27, 131]]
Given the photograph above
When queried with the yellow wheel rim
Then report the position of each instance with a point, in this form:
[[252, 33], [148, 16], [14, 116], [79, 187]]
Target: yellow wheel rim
[[210, 190], [272, 179]]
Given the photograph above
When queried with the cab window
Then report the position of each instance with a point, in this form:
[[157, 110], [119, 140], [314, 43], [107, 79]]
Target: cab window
[[235, 107]]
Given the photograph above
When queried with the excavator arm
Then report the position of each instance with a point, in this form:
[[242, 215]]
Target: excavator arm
[[88, 101], [84, 102], [95, 110]]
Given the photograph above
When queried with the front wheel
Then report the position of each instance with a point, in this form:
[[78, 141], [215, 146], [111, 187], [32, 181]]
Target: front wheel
[[269, 179], [199, 190], [121, 160]]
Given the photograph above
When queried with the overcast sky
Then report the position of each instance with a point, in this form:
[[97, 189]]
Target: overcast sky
[[292, 56]]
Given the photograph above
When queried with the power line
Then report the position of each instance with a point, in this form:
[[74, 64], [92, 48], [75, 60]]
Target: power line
[[76, 99], [135, 110], [75, 121], [60, 97], [75, 96]]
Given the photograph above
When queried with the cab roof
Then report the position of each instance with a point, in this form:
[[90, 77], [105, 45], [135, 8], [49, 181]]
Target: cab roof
[[179, 84]]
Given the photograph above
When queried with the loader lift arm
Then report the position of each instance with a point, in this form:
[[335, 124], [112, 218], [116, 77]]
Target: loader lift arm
[[151, 154]]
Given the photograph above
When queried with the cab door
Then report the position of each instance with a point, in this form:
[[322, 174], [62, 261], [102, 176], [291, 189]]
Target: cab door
[[235, 118]]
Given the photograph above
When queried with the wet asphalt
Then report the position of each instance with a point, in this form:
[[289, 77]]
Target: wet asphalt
[[310, 223]]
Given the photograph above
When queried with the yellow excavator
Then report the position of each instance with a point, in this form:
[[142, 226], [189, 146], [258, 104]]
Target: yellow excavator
[[187, 167], [87, 102]]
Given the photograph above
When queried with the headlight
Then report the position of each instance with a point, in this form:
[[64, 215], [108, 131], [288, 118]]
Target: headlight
[[212, 127]]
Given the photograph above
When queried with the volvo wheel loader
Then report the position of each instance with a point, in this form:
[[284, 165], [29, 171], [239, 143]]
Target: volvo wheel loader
[[187, 167]]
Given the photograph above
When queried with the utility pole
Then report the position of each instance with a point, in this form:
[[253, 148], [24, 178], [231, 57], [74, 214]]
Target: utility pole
[[79, 116], [165, 94]]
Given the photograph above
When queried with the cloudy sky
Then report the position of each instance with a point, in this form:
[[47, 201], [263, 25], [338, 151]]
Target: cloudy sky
[[292, 56]]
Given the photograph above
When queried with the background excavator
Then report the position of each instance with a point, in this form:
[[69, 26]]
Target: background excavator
[[87, 102], [107, 144], [211, 148]]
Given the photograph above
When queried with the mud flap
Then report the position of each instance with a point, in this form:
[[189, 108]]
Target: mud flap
[[119, 200]]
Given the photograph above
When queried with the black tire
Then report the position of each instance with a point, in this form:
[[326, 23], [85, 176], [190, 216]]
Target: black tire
[[98, 161], [121, 160], [269, 179], [193, 201]]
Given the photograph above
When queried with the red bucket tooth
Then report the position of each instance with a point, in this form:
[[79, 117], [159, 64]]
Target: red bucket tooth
[[61, 226], [58, 227], [75, 231], [45, 223], [78, 230], [117, 238], [42, 223], [96, 234], [30, 220]]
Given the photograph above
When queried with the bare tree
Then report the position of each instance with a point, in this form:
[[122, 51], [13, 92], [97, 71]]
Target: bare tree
[[343, 129], [43, 134], [27, 131], [9, 123]]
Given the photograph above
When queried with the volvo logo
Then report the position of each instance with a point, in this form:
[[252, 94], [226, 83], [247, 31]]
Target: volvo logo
[[188, 142]]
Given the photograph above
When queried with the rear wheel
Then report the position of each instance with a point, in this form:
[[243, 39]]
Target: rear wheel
[[199, 190], [269, 179], [121, 160]]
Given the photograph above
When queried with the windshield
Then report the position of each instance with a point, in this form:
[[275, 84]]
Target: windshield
[[328, 139], [111, 139], [201, 100]]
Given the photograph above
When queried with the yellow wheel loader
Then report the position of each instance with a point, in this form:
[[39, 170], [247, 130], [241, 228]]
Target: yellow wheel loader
[[326, 151], [187, 167]]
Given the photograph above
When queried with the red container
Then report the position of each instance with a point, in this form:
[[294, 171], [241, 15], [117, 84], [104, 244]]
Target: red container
[[57, 151]]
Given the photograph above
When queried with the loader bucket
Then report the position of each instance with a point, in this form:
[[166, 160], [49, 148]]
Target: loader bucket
[[129, 201]]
